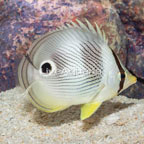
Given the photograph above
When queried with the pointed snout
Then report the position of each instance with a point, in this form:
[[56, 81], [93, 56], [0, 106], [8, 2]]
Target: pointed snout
[[132, 79]]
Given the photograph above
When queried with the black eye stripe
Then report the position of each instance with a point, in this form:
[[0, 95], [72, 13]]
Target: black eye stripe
[[122, 72], [28, 58], [122, 76]]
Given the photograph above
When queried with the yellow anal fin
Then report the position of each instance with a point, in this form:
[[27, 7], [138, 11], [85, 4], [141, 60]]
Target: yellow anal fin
[[55, 109], [49, 109], [88, 109]]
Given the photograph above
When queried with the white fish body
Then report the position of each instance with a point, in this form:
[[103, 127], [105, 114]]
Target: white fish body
[[72, 66]]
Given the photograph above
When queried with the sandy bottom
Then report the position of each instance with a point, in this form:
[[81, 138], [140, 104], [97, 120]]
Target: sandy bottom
[[119, 121]]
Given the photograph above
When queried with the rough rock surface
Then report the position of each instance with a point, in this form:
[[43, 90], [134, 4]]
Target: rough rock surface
[[131, 13], [23, 21]]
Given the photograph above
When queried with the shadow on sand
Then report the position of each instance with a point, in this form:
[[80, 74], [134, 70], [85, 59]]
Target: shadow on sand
[[73, 113]]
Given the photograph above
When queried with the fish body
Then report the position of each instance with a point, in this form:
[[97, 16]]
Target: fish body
[[70, 66]]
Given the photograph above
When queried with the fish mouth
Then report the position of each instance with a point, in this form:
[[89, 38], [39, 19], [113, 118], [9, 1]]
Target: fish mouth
[[132, 79]]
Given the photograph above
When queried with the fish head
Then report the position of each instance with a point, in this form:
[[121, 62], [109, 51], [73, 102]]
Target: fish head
[[119, 78], [119, 82], [126, 79], [123, 77]]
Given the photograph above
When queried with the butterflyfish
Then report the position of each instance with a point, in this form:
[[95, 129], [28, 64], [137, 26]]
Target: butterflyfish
[[73, 65]]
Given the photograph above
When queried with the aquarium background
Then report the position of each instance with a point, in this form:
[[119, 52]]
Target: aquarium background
[[23, 21]]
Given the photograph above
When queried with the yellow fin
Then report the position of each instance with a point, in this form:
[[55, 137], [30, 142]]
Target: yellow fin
[[47, 109], [59, 108], [88, 109]]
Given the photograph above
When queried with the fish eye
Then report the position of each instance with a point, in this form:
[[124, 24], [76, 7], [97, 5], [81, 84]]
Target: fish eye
[[46, 68], [122, 76]]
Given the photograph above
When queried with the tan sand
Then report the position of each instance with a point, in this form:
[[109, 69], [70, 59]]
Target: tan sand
[[119, 121]]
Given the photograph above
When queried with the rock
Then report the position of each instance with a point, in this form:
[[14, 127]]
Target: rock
[[131, 13], [24, 21]]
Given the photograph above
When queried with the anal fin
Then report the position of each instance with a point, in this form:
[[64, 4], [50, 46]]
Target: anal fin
[[88, 109], [55, 109]]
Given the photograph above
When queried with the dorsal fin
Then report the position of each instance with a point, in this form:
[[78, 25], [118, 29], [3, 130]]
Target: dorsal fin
[[74, 24], [88, 27], [79, 24], [82, 25]]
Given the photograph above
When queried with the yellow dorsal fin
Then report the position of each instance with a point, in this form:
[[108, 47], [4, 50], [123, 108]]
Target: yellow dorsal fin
[[88, 109]]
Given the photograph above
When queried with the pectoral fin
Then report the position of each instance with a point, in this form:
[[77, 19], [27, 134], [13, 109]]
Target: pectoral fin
[[88, 109]]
